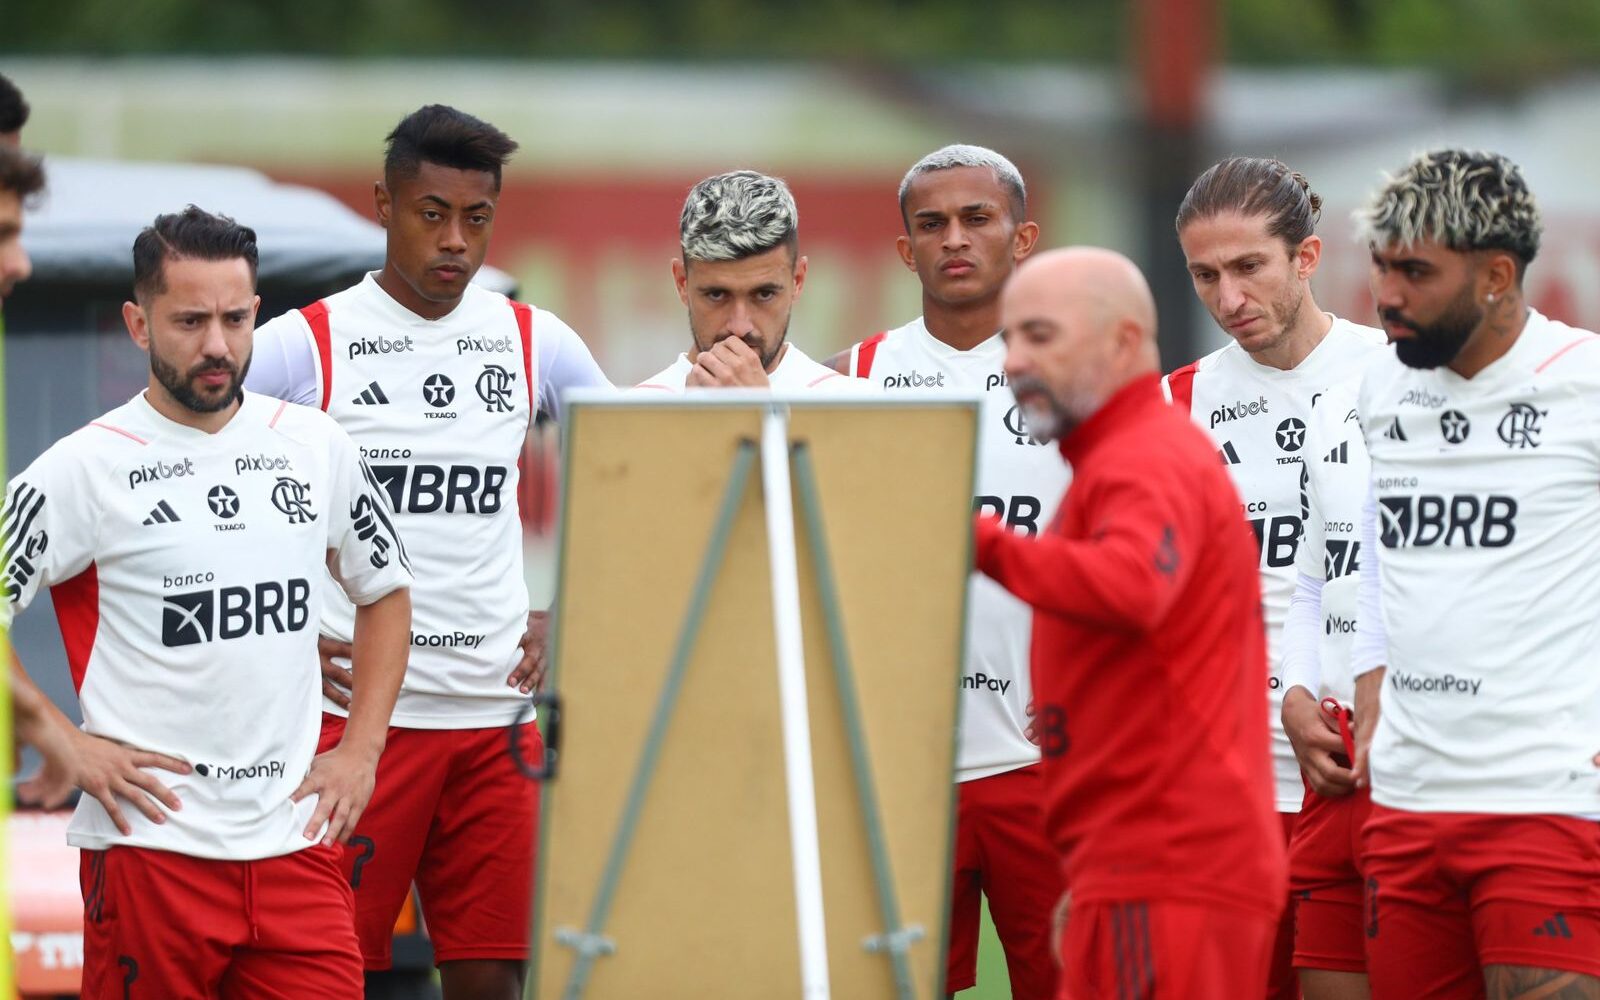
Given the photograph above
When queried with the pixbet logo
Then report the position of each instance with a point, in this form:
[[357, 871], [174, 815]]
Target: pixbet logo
[[380, 344], [261, 463], [484, 345], [915, 380], [161, 470], [1238, 411]]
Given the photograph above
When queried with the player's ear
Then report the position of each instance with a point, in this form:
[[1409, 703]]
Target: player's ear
[[381, 203], [1307, 256], [138, 324], [799, 275], [903, 245], [1022, 244], [255, 307], [680, 279]]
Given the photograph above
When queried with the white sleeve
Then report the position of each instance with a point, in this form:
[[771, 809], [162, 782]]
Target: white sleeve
[[369, 560], [1302, 636], [1370, 650], [564, 362], [283, 361], [50, 527]]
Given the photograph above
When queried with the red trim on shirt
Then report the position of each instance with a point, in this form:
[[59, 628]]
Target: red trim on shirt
[[653, 385], [1181, 384], [822, 378], [281, 407], [525, 327], [1552, 358], [77, 604], [316, 315], [864, 353], [118, 430]]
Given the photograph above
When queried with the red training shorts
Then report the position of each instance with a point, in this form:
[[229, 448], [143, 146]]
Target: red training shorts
[[1449, 893], [451, 812], [1282, 983], [1001, 852], [1164, 949], [159, 924], [1326, 883]]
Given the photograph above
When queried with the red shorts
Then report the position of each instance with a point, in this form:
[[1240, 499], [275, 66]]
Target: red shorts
[[1326, 883], [451, 812], [1282, 984], [1001, 851], [1449, 893], [159, 924], [1164, 950]]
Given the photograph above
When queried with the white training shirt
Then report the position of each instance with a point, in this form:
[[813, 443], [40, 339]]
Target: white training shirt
[[186, 569], [1488, 503], [1258, 416], [1018, 480], [794, 371], [1320, 626], [441, 410]]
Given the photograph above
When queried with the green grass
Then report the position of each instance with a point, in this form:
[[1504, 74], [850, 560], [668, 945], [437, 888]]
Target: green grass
[[993, 983]]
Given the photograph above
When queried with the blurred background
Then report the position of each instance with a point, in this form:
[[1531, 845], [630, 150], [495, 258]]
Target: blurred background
[[1110, 108]]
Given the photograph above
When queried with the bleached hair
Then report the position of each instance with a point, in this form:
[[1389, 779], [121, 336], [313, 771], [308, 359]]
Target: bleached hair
[[737, 215], [1459, 198], [963, 155]]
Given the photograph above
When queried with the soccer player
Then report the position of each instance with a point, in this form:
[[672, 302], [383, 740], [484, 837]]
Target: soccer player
[[739, 276], [438, 380], [1248, 231], [966, 217], [186, 538], [1326, 885], [21, 178], [1477, 609], [1148, 653]]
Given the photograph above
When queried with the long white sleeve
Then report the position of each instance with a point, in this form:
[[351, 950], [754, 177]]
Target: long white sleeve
[[1371, 649], [1302, 637]]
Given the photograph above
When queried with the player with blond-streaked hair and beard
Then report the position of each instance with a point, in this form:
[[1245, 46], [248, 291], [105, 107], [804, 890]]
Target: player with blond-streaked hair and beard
[[739, 274], [1477, 619]]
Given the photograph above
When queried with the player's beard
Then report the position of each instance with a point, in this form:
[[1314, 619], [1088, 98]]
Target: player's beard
[[754, 343], [1051, 416], [1438, 343], [181, 386]]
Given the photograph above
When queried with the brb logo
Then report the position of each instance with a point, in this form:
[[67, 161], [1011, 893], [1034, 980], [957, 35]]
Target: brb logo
[[293, 498], [142, 474], [425, 489], [1461, 520], [494, 388], [199, 616], [1021, 513], [380, 344], [1238, 411]]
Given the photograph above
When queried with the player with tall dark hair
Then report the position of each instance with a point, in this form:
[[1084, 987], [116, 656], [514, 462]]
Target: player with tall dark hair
[[186, 539], [438, 381]]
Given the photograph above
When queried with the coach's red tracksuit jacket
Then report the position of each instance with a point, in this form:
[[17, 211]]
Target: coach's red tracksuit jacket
[[1149, 666]]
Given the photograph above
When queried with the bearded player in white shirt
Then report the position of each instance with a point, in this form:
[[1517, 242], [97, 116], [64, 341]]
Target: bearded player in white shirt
[[187, 539], [438, 381], [739, 276], [1479, 639], [965, 212], [1248, 231]]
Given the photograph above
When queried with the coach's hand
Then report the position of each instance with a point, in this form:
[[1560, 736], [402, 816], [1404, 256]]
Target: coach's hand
[[1315, 738], [109, 771], [337, 682], [730, 363], [529, 674], [342, 779], [1368, 687]]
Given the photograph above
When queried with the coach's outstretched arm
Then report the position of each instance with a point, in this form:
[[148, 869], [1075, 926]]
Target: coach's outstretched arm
[[1125, 577]]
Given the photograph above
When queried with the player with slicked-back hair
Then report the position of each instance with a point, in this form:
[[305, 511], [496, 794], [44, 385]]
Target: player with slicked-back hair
[[1477, 602], [1248, 231], [965, 211], [739, 274], [438, 380]]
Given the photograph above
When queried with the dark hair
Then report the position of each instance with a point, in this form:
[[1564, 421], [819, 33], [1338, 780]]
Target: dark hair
[[192, 234], [449, 138], [1253, 186], [20, 174], [13, 109]]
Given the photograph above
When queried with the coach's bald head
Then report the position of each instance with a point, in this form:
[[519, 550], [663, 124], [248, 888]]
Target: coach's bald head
[[1080, 324]]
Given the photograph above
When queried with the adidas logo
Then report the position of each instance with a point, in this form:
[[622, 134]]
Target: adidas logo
[[372, 395], [1227, 454], [1341, 454], [162, 513], [1556, 926], [1396, 432]]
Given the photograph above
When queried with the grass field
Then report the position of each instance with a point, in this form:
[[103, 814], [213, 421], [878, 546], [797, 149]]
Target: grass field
[[993, 983]]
